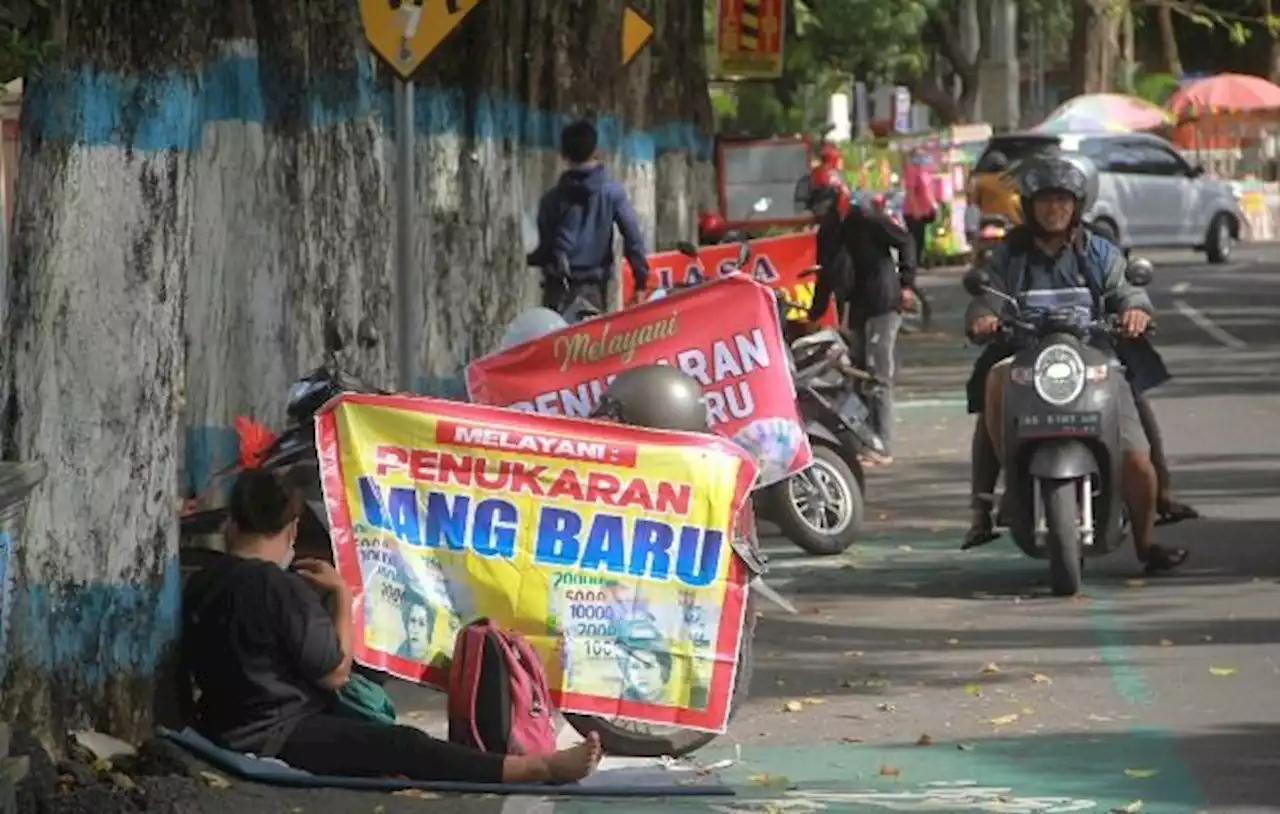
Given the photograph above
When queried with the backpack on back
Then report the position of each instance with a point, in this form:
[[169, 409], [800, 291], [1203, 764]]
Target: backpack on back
[[498, 696]]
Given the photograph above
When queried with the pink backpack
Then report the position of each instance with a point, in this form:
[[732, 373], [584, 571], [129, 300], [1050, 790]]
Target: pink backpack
[[498, 698]]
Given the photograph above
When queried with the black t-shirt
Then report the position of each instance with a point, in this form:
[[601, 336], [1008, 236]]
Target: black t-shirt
[[256, 640]]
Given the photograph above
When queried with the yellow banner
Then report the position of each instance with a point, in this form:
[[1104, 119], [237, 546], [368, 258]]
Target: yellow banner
[[608, 547]]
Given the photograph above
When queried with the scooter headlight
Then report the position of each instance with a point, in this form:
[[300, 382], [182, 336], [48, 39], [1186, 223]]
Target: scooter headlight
[[1059, 375]]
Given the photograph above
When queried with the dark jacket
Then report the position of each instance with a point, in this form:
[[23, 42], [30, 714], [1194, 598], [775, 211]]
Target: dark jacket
[[857, 266], [575, 227], [1103, 265]]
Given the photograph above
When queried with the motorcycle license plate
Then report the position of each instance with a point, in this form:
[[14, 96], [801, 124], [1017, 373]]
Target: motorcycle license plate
[[1049, 425]]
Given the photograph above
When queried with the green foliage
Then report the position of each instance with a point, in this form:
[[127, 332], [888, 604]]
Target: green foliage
[[875, 40], [23, 44], [1155, 87]]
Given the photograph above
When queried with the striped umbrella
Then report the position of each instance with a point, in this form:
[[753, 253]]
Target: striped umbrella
[[1105, 113], [1228, 94]]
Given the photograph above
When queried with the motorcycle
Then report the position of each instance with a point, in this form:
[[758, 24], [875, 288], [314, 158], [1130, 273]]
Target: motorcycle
[[294, 453], [1061, 432], [991, 232], [821, 509]]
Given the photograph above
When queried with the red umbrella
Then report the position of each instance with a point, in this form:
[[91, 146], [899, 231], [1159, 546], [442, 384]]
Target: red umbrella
[[1225, 95]]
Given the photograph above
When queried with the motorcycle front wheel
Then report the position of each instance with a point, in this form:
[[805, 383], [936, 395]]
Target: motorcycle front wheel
[[632, 739], [821, 509], [1062, 517]]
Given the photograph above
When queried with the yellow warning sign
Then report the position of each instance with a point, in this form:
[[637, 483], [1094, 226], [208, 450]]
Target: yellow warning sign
[[405, 32], [636, 33]]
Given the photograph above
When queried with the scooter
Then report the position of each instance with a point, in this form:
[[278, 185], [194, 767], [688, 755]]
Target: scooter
[[821, 509], [991, 232], [1061, 432]]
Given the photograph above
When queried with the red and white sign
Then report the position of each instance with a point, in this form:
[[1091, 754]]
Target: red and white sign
[[725, 334], [778, 262]]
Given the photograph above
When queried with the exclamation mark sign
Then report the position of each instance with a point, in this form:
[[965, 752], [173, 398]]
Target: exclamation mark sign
[[750, 38]]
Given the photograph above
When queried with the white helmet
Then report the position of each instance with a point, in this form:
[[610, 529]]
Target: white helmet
[[530, 325]]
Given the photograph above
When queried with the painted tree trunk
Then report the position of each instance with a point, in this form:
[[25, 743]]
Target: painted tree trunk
[[206, 195]]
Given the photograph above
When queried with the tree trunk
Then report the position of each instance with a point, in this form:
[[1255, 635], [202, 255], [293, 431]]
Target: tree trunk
[[189, 234], [1273, 64], [1169, 41]]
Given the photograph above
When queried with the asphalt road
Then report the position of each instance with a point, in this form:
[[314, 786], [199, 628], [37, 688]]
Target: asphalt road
[[931, 679]]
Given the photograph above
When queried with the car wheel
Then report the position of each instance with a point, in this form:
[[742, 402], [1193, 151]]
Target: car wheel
[[1219, 242]]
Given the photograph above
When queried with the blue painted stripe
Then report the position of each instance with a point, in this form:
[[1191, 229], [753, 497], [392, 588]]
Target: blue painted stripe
[[97, 631], [170, 111]]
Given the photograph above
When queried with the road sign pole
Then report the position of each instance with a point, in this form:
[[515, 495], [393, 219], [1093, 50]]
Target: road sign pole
[[408, 278]]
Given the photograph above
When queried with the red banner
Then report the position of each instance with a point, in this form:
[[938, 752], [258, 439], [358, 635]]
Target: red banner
[[725, 334], [778, 262]]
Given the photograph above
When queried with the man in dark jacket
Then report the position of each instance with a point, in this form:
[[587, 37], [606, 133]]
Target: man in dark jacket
[[576, 218], [856, 265]]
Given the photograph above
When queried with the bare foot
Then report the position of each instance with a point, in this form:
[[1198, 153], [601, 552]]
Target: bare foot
[[572, 764]]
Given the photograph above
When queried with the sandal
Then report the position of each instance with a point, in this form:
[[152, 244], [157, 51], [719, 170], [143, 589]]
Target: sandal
[[1161, 559], [870, 460], [1175, 512], [979, 534]]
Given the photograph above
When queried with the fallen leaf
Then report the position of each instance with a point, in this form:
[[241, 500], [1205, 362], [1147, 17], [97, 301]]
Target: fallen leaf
[[905, 548], [416, 793], [973, 689], [1206, 638], [953, 641], [924, 740], [768, 780], [965, 747], [890, 771], [991, 667], [1028, 711], [1133, 807], [215, 781], [1099, 718], [1136, 583], [853, 654], [813, 702], [886, 707], [1141, 774], [1222, 671], [1166, 643], [1005, 720], [780, 682], [1040, 678], [851, 739], [792, 706]]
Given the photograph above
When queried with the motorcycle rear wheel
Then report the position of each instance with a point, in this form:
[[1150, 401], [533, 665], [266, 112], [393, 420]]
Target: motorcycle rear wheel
[[628, 739], [806, 533], [1062, 516]]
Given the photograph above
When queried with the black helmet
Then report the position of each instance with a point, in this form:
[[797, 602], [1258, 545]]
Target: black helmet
[[1052, 173], [656, 396]]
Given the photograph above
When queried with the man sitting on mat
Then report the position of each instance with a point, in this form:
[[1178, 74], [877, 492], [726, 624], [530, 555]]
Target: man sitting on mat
[[267, 658]]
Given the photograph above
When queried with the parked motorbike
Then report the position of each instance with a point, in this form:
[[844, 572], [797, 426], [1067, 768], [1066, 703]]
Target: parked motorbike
[[821, 509], [1062, 498], [294, 453]]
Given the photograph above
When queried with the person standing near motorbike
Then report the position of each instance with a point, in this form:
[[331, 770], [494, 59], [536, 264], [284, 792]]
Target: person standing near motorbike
[[1054, 251], [856, 266], [576, 219], [920, 201]]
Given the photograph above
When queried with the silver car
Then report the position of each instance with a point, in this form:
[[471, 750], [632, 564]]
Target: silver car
[[1149, 195]]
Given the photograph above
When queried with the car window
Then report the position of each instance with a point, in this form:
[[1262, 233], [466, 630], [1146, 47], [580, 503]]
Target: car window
[[1156, 160], [1116, 155]]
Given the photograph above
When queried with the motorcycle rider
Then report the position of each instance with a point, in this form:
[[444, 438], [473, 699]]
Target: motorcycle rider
[[1138, 355], [856, 266], [1054, 251]]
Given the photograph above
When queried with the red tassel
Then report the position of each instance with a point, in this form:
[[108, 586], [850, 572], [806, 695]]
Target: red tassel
[[255, 440]]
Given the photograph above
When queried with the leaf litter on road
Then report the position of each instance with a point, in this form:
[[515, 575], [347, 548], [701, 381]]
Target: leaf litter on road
[[1005, 720], [1141, 774], [973, 689], [1040, 678], [991, 667], [1222, 672]]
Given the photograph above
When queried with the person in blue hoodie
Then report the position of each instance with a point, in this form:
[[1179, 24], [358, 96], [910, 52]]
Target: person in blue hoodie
[[576, 218]]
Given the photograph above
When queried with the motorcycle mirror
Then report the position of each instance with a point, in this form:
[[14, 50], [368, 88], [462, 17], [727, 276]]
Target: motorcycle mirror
[[744, 254], [687, 249], [1139, 272], [976, 281]]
